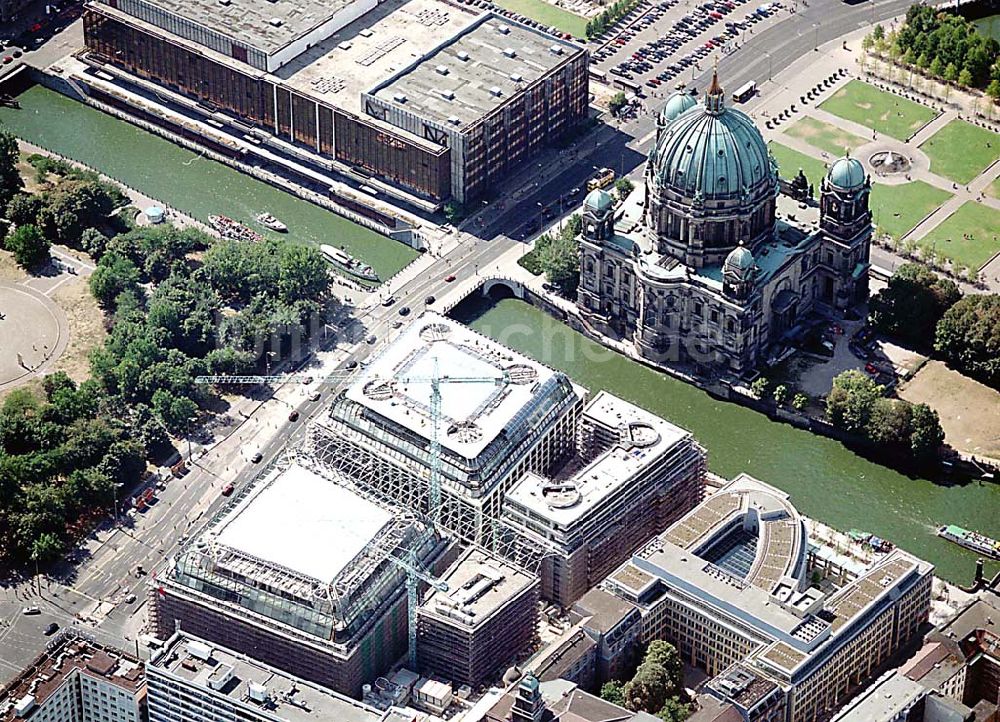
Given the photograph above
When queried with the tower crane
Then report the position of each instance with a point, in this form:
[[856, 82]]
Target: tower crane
[[411, 564]]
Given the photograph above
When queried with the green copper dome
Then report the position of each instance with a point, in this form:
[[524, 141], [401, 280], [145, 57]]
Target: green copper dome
[[847, 173], [676, 104], [713, 152], [598, 199], [739, 261]]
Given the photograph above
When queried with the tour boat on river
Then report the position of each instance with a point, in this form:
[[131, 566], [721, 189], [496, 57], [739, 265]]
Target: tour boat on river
[[228, 228], [348, 263], [973, 540]]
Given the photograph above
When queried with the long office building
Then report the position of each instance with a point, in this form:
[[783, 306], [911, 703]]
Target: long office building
[[501, 415], [193, 680], [633, 475], [421, 96], [730, 585], [77, 679], [299, 572], [486, 618]]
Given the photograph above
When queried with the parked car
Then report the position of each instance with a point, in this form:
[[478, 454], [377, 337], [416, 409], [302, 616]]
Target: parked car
[[256, 458], [51, 629], [293, 416], [228, 489], [31, 610]]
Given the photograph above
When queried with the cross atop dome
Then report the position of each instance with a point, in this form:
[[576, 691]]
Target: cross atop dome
[[715, 96]]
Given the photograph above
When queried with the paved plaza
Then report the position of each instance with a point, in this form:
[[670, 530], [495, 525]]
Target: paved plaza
[[34, 333]]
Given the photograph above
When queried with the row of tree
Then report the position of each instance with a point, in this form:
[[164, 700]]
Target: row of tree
[[598, 25], [943, 45], [928, 312], [858, 404], [657, 687]]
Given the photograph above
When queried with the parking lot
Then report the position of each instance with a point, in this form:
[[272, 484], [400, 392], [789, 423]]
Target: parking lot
[[657, 44]]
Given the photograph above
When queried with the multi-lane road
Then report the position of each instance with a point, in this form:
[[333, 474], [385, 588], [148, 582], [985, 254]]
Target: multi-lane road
[[103, 579]]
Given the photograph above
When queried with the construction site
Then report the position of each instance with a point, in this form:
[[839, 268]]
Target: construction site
[[381, 547]]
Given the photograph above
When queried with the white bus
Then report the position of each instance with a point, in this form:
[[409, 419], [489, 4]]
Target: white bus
[[745, 92]]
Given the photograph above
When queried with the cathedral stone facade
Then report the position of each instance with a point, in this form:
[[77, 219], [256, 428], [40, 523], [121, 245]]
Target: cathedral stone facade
[[697, 267]]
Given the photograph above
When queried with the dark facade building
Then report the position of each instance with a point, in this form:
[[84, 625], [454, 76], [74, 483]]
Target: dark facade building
[[420, 95]]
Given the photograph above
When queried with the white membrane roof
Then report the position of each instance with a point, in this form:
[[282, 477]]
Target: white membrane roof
[[305, 523]]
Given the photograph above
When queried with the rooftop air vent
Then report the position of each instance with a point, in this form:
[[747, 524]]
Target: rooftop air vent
[[276, 22], [516, 77], [555, 50], [344, 45], [454, 119], [399, 97], [462, 55], [509, 52], [441, 70], [227, 3], [495, 91], [447, 94], [365, 33], [503, 30]]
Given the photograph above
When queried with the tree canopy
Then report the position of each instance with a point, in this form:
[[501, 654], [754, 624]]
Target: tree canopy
[[912, 303], [10, 177], [967, 56], [968, 337]]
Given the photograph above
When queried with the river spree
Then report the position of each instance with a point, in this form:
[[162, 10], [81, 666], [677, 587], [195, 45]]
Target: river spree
[[183, 179], [826, 480]]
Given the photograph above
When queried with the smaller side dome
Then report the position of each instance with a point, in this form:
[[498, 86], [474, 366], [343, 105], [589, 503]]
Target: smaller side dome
[[846, 173], [676, 104], [739, 260], [529, 683], [598, 200]]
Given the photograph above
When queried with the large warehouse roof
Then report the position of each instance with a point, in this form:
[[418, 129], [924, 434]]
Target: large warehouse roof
[[305, 523], [479, 70]]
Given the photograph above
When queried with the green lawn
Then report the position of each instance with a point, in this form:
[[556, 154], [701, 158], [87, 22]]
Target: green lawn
[[824, 136], [960, 151], [790, 160], [885, 112], [548, 14], [977, 220], [897, 209], [994, 189]]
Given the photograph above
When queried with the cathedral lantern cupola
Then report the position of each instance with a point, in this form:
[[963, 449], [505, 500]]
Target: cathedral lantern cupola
[[738, 272], [598, 215]]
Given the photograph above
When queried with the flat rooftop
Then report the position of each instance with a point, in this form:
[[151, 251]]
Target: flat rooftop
[[232, 675], [478, 585], [644, 439], [490, 386], [372, 49], [479, 70], [267, 26], [303, 522], [71, 654]]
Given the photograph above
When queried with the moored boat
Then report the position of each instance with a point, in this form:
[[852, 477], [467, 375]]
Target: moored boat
[[269, 221], [972, 540], [228, 228], [347, 263]]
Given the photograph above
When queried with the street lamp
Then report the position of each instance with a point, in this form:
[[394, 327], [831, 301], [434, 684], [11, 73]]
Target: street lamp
[[816, 36], [768, 65]]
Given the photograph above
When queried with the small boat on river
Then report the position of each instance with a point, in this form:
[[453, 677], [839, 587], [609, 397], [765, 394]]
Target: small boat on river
[[269, 221]]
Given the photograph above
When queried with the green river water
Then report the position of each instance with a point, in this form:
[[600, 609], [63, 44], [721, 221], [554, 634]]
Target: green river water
[[826, 480], [180, 178]]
